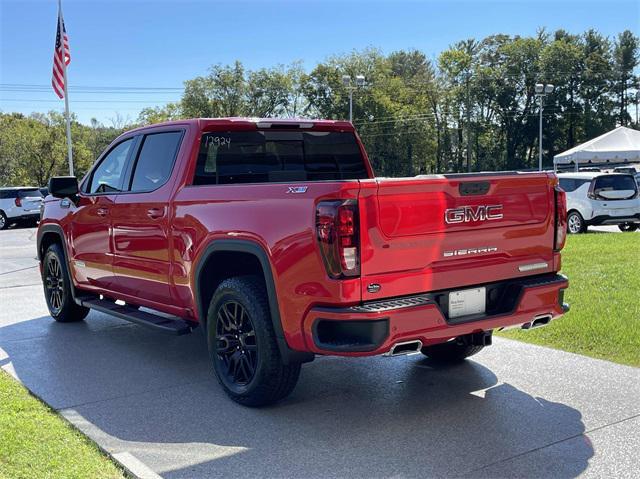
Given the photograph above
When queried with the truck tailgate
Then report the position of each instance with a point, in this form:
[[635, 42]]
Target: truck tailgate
[[450, 231]]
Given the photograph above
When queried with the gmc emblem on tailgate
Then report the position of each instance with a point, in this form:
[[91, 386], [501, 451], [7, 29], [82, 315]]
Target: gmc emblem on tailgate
[[473, 213]]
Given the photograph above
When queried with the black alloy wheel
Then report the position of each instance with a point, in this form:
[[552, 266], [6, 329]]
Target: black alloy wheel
[[236, 346], [54, 284], [243, 348], [58, 287]]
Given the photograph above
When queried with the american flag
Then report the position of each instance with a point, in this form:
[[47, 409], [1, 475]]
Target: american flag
[[62, 49]]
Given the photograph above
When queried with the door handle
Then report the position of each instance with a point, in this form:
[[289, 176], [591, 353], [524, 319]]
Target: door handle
[[155, 213], [102, 211]]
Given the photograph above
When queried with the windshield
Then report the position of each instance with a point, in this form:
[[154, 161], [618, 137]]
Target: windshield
[[278, 156]]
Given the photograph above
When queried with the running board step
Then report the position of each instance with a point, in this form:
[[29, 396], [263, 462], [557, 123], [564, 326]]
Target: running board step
[[174, 326]]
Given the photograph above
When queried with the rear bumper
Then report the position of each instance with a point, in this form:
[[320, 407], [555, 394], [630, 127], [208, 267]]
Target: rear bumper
[[374, 327], [612, 220]]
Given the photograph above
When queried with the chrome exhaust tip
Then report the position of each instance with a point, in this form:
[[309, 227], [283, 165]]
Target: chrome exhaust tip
[[406, 347], [538, 321]]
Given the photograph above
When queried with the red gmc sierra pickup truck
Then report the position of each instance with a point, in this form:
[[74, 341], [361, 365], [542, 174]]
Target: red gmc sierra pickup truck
[[276, 239]]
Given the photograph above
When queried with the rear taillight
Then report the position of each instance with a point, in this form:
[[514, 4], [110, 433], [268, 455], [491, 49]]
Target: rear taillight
[[561, 219], [18, 201], [337, 236]]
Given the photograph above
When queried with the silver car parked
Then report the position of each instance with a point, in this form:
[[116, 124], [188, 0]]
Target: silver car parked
[[19, 203]]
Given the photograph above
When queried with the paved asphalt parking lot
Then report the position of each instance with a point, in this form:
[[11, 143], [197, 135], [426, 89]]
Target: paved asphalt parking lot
[[515, 410]]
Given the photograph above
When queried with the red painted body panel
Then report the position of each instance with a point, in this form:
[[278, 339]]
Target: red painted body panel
[[283, 225], [404, 234], [90, 243], [151, 259]]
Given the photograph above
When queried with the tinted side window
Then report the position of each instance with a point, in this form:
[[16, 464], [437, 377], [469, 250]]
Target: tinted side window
[[108, 175], [579, 183], [155, 160], [8, 194], [567, 184]]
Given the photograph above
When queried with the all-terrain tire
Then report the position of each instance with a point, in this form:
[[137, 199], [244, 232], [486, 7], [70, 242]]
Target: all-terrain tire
[[450, 352], [57, 287], [243, 347]]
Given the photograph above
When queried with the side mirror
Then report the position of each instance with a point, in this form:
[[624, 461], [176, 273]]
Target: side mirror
[[63, 186]]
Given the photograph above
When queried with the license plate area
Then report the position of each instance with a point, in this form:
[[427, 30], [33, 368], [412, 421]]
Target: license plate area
[[467, 302], [622, 212]]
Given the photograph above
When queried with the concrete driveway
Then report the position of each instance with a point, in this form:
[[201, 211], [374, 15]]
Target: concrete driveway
[[514, 411]]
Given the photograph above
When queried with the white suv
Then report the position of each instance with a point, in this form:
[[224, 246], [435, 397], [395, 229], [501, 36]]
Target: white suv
[[601, 199], [19, 204]]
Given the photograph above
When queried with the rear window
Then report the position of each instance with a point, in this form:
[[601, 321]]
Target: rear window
[[35, 193], [278, 156], [615, 183]]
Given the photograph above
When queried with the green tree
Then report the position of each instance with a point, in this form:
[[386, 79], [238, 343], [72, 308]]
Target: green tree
[[627, 56]]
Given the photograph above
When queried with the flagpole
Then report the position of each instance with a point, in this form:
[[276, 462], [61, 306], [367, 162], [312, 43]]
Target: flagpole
[[66, 93]]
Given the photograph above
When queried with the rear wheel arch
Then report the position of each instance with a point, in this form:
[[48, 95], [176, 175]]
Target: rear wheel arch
[[224, 259]]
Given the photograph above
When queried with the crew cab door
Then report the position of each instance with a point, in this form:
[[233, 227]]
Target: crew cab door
[[90, 220], [140, 220]]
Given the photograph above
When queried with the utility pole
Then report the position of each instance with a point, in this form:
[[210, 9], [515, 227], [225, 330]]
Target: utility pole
[[346, 81], [540, 135], [468, 108], [541, 90]]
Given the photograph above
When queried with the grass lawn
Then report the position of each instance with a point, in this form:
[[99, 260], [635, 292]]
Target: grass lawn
[[604, 293], [36, 443]]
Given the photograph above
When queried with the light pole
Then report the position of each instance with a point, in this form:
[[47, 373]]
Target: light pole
[[542, 90], [346, 81]]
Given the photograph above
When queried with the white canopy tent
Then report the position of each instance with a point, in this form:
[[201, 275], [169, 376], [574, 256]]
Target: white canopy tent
[[621, 145]]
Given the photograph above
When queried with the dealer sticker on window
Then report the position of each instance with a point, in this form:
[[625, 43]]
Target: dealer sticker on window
[[467, 302]]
